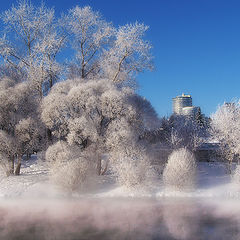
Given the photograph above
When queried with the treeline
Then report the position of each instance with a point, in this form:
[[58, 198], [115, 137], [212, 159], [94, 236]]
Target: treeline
[[68, 88]]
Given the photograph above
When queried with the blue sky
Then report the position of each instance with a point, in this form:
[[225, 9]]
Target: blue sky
[[196, 46]]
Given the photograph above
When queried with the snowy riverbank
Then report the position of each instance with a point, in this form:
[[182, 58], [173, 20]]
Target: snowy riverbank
[[212, 182]]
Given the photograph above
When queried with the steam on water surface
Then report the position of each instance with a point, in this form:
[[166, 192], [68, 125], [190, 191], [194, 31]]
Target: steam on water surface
[[118, 219]]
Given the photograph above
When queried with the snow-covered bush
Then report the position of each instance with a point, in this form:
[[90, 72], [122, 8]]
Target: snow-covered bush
[[70, 168], [57, 152], [132, 167], [225, 126], [131, 173], [180, 171], [74, 174]]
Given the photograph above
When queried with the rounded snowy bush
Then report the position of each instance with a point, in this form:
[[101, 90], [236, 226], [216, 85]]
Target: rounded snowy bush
[[57, 152], [180, 171], [132, 168], [70, 168], [131, 173], [73, 175]]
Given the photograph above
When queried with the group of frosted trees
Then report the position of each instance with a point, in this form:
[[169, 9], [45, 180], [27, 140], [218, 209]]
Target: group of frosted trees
[[68, 89], [82, 109]]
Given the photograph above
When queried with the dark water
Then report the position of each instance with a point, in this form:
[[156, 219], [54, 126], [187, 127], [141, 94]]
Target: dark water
[[118, 219]]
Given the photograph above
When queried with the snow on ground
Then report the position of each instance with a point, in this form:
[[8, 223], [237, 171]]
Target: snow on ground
[[212, 182], [33, 172]]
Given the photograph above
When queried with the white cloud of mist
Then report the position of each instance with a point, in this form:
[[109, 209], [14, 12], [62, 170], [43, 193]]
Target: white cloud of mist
[[117, 219]]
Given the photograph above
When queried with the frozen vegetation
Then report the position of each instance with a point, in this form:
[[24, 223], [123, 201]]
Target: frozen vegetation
[[211, 181], [180, 171], [83, 116], [78, 129]]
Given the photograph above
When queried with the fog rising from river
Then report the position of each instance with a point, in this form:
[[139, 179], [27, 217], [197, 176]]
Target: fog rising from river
[[117, 219]]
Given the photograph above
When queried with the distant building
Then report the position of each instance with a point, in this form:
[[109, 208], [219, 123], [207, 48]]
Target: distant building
[[191, 111], [182, 105], [181, 102]]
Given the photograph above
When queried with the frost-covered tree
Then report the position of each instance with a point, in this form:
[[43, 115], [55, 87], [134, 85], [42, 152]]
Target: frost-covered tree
[[93, 113], [183, 131], [101, 49], [29, 135], [128, 55], [90, 34], [31, 42], [180, 171], [225, 126], [19, 118], [33, 37], [187, 132], [147, 112]]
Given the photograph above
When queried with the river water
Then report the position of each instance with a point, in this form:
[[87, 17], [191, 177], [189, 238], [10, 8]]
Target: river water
[[119, 219]]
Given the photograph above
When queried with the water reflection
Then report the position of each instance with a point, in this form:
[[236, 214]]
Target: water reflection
[[116, 219], [182, 219]]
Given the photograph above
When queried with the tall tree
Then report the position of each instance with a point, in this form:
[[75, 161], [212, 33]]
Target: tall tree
[[225, 126], [95, 114], [90, 34], [129, 53], [19, 121], [31, 42], [101, 49]]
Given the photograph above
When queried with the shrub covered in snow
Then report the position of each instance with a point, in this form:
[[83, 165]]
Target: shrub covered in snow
[[74, 174], [131, 173], [70, 168], [57, 152], [132, 167], [179, 173]]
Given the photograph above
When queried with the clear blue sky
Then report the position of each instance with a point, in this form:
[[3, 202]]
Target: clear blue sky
[[196, 46]]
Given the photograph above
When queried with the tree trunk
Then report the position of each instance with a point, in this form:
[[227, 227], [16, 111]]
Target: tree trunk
[[17, 170], [49, 135], [10, 171], [229, 167], [28, 156], [99, 166], [101, 171], [12, 166], [105, 169]]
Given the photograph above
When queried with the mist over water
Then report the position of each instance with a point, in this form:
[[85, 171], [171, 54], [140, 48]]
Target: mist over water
[[117, 219]]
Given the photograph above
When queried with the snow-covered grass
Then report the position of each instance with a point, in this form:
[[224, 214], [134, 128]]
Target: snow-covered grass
[[33, 172], [212, 182]]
